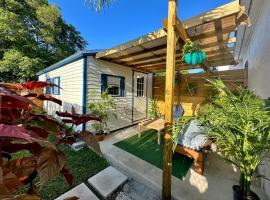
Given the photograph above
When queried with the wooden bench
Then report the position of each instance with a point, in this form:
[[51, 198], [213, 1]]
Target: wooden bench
[[157, 124], [198, 156]]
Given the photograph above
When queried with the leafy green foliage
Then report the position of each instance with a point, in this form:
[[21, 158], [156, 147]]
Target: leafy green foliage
[[24, 128], [153, 109], [33, 35], [178, 128], [82, 164], [101, 107], [190, 47], [99, 4], [190, 89], [239, 123]]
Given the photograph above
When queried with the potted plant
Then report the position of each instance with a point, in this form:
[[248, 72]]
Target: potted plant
[[101, 107], [153, 109], [192, 53], [239, 123]]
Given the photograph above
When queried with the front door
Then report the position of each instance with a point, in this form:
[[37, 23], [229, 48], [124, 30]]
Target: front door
[[139, 96]]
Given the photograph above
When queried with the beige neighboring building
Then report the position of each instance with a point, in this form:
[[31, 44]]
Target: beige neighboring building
[[253, 52]]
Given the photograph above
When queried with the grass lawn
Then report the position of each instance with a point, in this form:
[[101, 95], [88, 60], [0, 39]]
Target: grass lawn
[[83, 164], [147, 149]]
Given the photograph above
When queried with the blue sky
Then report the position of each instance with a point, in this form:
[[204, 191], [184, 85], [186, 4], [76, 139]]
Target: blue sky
[[125, 19]]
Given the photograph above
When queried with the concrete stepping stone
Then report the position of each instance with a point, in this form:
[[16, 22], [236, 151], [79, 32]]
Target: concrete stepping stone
[[107, 181], [77, 146], [81, 191]]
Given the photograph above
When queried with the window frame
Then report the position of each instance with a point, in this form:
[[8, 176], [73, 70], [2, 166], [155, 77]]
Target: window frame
[[109, 86], [48, 89], [53, 90], [104, 84], [56, 79], [140, 86]]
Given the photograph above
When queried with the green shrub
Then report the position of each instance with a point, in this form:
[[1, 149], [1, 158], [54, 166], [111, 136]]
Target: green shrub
[[153, 111], [239, 122], [101, 107]]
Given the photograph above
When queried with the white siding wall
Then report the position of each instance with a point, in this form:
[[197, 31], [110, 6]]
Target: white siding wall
[[256, 47], [71, 79], [124, 104], [256, 50]]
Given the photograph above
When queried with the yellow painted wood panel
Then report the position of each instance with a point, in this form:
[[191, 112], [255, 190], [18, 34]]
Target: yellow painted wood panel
[[190, 102]]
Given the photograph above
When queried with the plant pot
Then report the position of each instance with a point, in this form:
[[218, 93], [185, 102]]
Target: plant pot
[[100, 137], [238, 194], [195, 58]]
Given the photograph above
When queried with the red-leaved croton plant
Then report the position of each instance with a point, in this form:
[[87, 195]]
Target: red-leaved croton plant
[[24, 126]]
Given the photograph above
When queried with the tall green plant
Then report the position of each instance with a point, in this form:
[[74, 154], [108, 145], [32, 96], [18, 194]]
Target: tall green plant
[[239, 123], [101, 107], [153, 109]]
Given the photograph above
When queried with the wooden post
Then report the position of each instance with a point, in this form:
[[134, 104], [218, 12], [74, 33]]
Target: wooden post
[[169, 99]]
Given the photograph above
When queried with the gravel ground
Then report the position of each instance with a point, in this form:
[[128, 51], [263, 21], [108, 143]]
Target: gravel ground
[[134, 190], [122, 196]]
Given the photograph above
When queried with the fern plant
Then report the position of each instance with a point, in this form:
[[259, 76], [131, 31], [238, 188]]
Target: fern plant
[[239, 123], [190, 47]]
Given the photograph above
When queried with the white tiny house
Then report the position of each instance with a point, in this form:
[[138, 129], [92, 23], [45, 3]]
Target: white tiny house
[[81, 75]]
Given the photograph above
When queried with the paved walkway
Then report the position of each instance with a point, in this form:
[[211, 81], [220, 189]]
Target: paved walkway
[[216, 183], [104, 183]]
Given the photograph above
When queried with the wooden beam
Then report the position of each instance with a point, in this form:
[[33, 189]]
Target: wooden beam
[[221, 63], [177, 68], [163, 67], [169, 99], [208, 34], [217, 13], [219, 43], [216, 53], [143, 51], [220, 57], [134, 61], [181, 31], [151, 63], [136, 42]]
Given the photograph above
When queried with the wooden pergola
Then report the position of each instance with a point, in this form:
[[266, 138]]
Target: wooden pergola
[[214, 30], [161, 51]]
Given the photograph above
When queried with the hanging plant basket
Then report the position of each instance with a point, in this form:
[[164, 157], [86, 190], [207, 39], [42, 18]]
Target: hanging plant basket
[[195, 58], [192, 53]]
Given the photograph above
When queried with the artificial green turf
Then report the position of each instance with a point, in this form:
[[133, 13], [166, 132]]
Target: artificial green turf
[[147, 148], [83, 164]]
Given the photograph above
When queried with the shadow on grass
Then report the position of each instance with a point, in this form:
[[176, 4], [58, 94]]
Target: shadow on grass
[[83, 164], [147, 149]]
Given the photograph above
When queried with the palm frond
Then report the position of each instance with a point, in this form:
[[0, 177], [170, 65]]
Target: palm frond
[[239, 122]]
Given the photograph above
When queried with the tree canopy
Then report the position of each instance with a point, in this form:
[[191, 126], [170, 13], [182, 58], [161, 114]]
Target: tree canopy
[[99, 4], [33, 35]]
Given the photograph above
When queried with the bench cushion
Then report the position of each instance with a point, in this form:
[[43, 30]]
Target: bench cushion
[[193, 136]]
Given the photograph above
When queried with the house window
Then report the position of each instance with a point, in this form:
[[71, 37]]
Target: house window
[[56, 90], [53, 90], [114, 84], [48, 89], [140, 86], [246, 75]]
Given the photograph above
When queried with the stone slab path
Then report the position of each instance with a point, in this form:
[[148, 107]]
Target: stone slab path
[[107, 181], [81, 191]]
